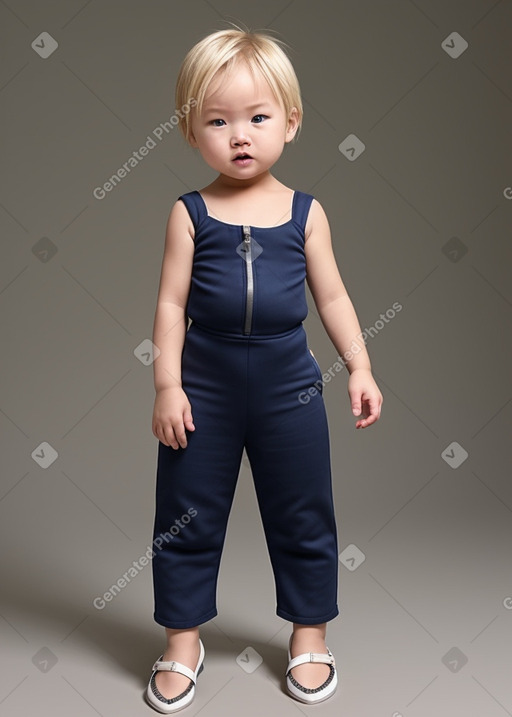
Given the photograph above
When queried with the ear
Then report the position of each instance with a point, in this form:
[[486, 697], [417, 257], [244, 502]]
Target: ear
[[292, 125]]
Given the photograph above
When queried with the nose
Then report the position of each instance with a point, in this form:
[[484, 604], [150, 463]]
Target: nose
[[240, 138]]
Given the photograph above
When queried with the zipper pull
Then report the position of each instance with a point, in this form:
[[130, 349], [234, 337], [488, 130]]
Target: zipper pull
[[247, 238]]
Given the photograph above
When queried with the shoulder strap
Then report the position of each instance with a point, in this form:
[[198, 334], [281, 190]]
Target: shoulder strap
[[300, 209], [195, 206]]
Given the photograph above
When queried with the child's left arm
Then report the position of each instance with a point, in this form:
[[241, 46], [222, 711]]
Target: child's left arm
[[339, 317]]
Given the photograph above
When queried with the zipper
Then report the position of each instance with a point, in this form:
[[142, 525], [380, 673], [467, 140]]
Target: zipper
[[249, 299]]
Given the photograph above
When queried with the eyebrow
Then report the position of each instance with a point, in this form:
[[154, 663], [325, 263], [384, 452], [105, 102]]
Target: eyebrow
[[249, 107]]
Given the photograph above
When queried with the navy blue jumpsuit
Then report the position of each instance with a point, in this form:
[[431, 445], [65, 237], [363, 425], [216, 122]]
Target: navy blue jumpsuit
[[246, 370]]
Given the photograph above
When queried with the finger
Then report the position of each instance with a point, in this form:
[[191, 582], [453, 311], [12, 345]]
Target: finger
[[188, 420], [160, 434], [170, 437], [365, 422], [356, 405], [371, 414], [374, 405], [179, 432]]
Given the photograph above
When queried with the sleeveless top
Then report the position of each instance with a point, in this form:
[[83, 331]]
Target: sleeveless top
[[248, 280]]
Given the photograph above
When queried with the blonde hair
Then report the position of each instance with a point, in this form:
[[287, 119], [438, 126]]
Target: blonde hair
[[222, 50]]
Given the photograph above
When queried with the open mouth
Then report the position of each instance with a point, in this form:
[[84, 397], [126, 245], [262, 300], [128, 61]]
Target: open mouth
[[242, 157]]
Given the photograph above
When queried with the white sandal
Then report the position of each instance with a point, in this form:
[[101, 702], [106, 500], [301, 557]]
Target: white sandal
[[161, 703], [311, 695]]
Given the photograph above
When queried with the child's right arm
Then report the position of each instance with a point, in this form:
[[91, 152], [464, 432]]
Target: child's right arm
[[172, 411]]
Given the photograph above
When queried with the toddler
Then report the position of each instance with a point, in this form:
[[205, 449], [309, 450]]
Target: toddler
[[235, 371]]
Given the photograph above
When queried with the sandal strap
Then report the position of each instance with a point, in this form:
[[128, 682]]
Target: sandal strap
[[327, 659], [173, 666]]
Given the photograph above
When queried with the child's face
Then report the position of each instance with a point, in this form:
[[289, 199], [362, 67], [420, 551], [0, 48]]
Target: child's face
[[241, 114]]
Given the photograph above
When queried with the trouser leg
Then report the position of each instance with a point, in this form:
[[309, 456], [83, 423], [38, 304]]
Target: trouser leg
[[288, 449], [196, 482]]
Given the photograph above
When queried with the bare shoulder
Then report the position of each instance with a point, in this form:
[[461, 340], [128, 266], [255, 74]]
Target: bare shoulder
[[179, 221], [178, 256], [317, 222]]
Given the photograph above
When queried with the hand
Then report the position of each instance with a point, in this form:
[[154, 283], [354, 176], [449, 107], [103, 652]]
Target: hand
[[172, 413], [365, 397]]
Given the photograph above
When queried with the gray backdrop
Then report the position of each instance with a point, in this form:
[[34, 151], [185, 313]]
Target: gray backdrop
[[406, 143]]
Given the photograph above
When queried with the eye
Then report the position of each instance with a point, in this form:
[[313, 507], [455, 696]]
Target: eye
[[216, 120], [258, 119]]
